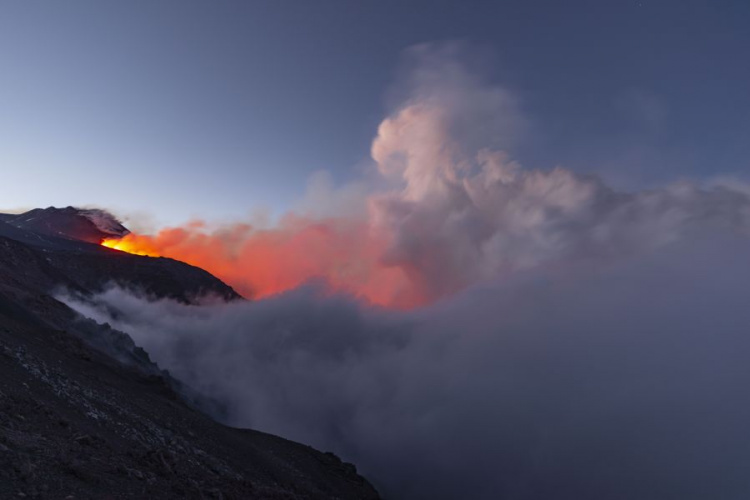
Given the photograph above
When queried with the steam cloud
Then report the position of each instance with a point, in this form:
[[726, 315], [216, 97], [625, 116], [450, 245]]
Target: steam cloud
[[624, 382], [448, 210], [580, 342]]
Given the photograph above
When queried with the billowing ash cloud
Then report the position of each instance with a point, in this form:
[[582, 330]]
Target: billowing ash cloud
[[625, 380], [448, 208], [578, 342]]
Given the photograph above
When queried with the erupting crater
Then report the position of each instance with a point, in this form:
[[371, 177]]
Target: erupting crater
[[129, 245]]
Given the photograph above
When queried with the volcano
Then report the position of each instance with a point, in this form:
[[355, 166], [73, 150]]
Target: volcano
[[89, 225], [85, 413]]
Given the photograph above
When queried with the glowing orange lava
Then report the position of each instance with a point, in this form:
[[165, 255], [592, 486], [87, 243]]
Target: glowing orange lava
[[262, 262], [129, 245]]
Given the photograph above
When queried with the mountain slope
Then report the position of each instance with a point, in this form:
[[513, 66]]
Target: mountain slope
[[75, 422], [84, 412], [89, 225], [90, 266]]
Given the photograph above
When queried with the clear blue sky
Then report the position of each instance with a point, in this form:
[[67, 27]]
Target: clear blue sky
[[214, 108]]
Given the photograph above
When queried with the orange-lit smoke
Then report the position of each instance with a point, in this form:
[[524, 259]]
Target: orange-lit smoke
[[261, 262]]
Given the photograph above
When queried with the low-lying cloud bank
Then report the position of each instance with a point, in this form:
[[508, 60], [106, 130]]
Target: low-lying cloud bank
[[623, 380]]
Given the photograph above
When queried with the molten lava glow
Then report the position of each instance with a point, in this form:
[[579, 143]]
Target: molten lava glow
[[257, 263], [129, 245]]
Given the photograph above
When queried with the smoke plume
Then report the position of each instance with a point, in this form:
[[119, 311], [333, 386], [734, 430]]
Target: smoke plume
[[621, 381], [572, 340], [448, 210]]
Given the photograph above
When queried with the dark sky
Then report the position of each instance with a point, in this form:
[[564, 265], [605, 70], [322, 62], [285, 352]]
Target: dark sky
[[213, 109]]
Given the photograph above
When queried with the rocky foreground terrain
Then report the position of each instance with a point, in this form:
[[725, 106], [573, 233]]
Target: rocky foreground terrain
[[84, 413]]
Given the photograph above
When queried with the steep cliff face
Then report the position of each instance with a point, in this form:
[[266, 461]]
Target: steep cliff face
[[84, 413]]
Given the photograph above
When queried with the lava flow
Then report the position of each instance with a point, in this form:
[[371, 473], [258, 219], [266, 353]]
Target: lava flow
[[126, 244], [344, 256]]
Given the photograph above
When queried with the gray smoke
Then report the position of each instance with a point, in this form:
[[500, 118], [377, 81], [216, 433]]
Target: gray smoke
[[599, 348], [623, 380], [459, 209]]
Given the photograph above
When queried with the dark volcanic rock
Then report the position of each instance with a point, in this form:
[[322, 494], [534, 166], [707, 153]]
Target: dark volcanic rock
[[84, 266], [84, 413], [156, 276], [89, 225], [73, 422]]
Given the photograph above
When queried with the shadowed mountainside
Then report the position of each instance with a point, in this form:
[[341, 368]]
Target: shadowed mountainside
[[85, 413], [84, 265]]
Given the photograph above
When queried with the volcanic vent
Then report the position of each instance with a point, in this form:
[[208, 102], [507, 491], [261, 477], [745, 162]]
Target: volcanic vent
[[90, 225]]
